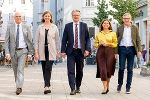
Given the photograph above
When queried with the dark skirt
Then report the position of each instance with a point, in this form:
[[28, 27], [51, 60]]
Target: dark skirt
[[106, 62]]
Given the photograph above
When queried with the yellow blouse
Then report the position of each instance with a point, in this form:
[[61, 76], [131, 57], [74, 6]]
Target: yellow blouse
[[109, 37]]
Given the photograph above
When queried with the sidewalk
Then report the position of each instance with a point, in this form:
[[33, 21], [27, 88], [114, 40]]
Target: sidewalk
[[90, 90]]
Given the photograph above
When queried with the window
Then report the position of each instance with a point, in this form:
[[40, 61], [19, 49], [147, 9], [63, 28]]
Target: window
[[89, 2], [22, 1], [24, 18], [10, 1], [92, 2], [10, 16], [42, 5], [92, 31], [1, 2]]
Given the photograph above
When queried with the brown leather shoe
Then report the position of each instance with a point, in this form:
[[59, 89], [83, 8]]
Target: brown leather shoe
[[78, 90], [73, 92], [18, 91]]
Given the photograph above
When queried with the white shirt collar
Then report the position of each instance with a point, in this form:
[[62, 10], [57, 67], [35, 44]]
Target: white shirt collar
[[127, 26], [18, 24], [76, 23]]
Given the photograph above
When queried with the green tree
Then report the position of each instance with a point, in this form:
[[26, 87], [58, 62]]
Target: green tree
[[122, 7], [0, 47], [102, 12]]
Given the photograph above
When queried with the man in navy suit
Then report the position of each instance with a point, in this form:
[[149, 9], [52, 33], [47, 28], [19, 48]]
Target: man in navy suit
[[75, 44]]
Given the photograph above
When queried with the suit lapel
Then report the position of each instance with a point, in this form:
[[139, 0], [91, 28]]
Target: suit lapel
[[122, 31], [132, 31], [43, 32], [14, 31], [71, 29], [80, 28], [24, 31]]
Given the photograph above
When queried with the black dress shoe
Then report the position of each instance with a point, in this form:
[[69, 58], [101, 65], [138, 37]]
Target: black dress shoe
[[73, 92], [18, 91], [78, 90], [105, 92], [47, 91]]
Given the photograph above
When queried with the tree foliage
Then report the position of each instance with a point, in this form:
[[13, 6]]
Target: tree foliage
[[122, 7], [102, 12]]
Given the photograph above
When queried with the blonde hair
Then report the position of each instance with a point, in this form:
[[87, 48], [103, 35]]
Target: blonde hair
[[47, 12], [75, 11], [101, 25]]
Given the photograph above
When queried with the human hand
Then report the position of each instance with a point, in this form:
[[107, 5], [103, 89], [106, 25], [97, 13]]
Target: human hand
[[63, 55], [57, 56], [8, 57], [86, 53], [28, 58], [116, 56], [139, 54], [105, 44]]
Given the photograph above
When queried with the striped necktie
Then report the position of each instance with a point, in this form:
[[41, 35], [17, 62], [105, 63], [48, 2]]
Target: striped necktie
[[76, 36], [17, 37]]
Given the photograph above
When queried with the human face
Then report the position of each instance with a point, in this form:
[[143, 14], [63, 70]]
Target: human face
[[76, 16], [127, 20], [18, 18], [47, 17], [106, 24]]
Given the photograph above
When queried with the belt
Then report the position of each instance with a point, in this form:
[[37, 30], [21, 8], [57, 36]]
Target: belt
[[127, 46], [19, 48]]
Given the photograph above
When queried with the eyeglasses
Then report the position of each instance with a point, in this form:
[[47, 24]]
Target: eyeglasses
[[126, 18], [76, 15]]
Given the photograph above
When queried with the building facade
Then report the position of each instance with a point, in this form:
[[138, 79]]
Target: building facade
[[87, 8], [143, 24], [39, 6], [9, 7], [148, 21]]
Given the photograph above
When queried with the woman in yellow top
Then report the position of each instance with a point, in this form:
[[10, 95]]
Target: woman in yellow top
[[105, 41]]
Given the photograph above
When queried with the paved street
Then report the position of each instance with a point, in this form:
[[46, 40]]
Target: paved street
[[90, 90]]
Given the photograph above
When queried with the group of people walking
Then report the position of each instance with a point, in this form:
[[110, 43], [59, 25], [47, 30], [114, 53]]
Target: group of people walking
[[75, 45]]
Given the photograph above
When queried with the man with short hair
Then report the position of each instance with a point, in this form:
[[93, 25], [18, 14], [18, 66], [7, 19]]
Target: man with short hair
[[129, 44], [76, 45], [18, 48]]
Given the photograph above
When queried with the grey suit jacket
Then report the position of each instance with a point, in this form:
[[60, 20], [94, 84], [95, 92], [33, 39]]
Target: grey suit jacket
[[10, 39]]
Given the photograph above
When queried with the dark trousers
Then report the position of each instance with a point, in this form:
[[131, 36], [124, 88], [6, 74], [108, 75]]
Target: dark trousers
[[75, 58], [47, 68], [126, 54]]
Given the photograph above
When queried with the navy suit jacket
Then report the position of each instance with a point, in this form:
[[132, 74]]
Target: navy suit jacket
[[68, 38]]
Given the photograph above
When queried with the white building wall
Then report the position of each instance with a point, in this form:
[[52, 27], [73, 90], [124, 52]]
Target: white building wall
[[36, 12], [65, 7], [25, 9], [38, 9]]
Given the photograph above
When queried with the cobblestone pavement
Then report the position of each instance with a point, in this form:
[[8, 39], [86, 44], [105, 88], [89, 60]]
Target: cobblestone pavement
[[90, 90]]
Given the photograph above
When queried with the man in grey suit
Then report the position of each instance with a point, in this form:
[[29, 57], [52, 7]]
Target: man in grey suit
[[18, 48]]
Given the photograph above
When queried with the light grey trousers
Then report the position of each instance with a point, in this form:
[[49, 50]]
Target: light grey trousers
[[18, 63]]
